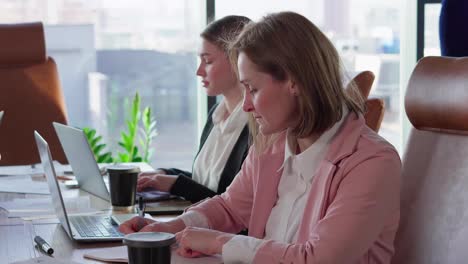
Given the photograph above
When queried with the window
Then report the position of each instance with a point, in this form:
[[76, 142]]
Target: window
[[106, 50], [431, 29], [365, 32]]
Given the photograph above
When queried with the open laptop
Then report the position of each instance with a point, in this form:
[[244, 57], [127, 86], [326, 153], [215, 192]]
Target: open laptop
[[87, 173], [81, 158], [84, 228]]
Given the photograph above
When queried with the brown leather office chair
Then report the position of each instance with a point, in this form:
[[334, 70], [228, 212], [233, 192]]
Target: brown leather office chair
[[375, 108], [434, 198], [363, 81], [30, 95]]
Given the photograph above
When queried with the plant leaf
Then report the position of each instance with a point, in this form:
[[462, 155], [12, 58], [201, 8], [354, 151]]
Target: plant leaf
[[97, 149], [92, 133], [95, 141], [105, 158], [123, 157], [136, 106]]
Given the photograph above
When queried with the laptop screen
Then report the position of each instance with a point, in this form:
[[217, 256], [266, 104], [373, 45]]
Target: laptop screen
[[81, 159], [57, 200]]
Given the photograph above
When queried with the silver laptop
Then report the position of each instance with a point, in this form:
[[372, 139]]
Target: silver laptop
[[85, 228], [82, 161], [1, 115], [87, 173]]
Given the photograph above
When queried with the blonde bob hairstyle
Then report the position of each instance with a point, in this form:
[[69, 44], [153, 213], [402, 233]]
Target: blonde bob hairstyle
[[287, 45]]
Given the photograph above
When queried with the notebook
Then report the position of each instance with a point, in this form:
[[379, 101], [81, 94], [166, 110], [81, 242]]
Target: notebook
[[85, 228]]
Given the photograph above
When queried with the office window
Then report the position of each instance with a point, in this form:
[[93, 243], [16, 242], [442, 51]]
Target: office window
[[106, 50], [431, 29], [365, 32]]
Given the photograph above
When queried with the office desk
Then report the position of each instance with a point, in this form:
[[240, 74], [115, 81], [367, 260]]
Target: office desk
[[16, 234]]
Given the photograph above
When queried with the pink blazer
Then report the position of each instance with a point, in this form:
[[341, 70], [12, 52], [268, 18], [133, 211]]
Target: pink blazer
[[353, 208]]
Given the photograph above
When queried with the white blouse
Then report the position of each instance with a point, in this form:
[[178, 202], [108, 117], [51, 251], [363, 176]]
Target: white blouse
[[212, 158]]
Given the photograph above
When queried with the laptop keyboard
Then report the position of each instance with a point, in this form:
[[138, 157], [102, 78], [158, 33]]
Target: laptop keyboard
[[95, 226]]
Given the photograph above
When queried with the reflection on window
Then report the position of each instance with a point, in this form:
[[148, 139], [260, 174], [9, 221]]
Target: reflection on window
[[365, 32], [106, 50]]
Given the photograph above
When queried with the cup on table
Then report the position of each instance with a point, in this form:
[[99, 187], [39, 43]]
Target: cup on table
[[149, 247], [122, 183]]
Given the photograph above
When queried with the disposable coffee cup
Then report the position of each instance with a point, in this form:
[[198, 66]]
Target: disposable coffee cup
[[122, 183], [149, 247]]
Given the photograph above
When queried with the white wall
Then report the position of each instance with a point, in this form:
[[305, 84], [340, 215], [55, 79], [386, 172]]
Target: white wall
[[72, 47]]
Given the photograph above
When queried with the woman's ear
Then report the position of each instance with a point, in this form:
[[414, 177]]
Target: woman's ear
[[293, 89]]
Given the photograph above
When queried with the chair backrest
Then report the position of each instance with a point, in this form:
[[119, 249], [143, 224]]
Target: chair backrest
[[434, 196], [363, 82], [30, 94], [375, 110]]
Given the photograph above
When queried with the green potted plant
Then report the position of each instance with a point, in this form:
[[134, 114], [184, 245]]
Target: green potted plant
[[140, 131]]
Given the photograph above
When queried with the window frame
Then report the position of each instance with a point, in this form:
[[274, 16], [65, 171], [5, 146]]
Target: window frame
[[210, 16], [421, 25]]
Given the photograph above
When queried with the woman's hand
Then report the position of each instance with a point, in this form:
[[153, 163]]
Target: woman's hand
[[159, 182], [150, 173], [140, 224], [135, 224], [195, 242]]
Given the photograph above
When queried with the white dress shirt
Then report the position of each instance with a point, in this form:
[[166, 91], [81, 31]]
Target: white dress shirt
[[293, 190], [212, 158]]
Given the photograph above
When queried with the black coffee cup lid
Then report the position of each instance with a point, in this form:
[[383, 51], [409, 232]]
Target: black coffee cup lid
[[122, 168], [149, 239]]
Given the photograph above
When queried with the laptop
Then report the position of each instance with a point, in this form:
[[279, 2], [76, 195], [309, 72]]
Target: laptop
[[1, 115], [87, 173], [83, 228], [81, 158]]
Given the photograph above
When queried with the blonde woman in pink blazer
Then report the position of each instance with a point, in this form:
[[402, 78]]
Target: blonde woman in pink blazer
[[317, 186]]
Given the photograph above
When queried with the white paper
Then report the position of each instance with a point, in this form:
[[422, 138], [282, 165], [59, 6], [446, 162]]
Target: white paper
[[19, 170], [45, 260], [41, 208], [119, 254], [27, 207], [29, 169], [23, 185]]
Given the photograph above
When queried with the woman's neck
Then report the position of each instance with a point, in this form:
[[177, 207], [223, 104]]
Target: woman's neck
[[305, 143]]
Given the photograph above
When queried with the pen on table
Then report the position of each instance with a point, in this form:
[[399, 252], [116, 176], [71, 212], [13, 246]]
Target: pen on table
[[141, 207], [63, 178], [42, 244], [59, 177]]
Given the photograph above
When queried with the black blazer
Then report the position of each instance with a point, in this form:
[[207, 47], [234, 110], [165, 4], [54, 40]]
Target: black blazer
[[193, 191]]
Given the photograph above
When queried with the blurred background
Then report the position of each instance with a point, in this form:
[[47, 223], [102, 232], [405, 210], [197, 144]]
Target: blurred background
[[106, 50]]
